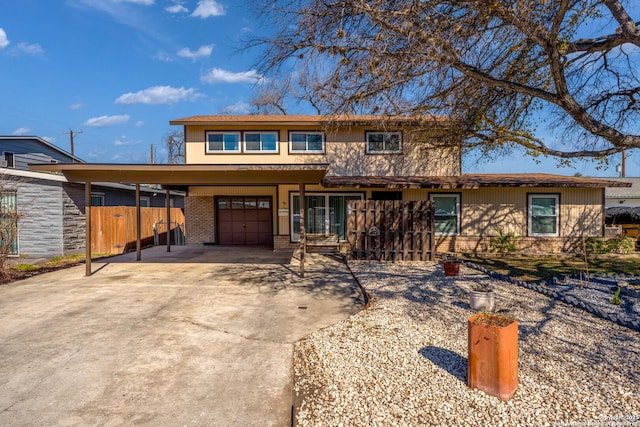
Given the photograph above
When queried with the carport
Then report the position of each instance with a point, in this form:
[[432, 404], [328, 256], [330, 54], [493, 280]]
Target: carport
[[172, 177]]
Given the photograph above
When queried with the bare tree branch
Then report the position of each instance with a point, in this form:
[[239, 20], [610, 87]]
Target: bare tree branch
[[493, 66]]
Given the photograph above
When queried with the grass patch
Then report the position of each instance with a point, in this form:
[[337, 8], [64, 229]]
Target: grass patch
[[543, 267], [23, 270], [25, 267]]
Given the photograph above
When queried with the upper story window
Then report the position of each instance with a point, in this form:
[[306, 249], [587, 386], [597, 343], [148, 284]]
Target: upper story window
[[384, 142], [223, 142], [543, 214], [306, 142], [261, 142]]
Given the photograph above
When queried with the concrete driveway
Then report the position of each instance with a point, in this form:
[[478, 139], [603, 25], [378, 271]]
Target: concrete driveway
[[198, 336]]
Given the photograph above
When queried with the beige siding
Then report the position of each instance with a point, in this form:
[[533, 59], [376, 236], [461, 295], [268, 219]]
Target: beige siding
[[344, 151], [482, 210], [415, 194], [485, 209]]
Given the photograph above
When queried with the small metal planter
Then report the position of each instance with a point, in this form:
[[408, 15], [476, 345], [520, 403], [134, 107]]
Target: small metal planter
[[482, 300]]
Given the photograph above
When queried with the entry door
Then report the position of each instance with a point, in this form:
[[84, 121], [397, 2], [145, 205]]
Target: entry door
[[244, 221]]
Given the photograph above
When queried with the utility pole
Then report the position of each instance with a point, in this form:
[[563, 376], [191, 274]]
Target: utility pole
[[71, 134], [623, 172], [151, 154]]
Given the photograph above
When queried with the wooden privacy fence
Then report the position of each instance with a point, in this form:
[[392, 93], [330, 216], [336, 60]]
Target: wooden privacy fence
[[113, 228], [390, 230]]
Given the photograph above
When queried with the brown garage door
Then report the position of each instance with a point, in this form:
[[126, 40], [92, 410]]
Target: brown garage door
[[244, 221]]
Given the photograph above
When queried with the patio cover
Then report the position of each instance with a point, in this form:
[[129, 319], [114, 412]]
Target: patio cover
[[172, 176], [181, 175]]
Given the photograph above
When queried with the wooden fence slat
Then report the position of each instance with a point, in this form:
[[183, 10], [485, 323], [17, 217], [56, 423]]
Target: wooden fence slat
[[114, 227]]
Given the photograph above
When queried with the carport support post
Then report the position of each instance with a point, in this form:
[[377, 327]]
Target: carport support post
[[303, 231], [87, 228], [168, 222], [138, 221]]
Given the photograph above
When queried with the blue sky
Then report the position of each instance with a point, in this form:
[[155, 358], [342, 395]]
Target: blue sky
[[119, 70]]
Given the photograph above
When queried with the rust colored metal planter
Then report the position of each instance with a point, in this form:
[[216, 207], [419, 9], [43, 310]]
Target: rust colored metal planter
[[493, 355], [451, 269]]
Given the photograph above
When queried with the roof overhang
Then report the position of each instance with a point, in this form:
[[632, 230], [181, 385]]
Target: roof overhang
[[314, 121], [182, 175], [469, 181]]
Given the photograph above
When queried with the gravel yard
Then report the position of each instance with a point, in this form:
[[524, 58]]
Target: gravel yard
[[403, 360]]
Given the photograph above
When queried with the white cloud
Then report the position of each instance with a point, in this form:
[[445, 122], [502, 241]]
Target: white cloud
[[122, 142], [218, 75], [31, 49], [207, 8], [239, 107], [76, 106], [97, 153], [159, 95], [4, 41], [51, 139], [176, 8], [104, 121], [21, 131], [202, 52], [161, 56], [139, 123]]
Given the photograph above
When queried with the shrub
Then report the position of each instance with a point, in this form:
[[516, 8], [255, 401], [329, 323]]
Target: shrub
[[621, 244], [503, 242]]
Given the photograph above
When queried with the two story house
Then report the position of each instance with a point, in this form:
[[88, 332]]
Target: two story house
[[368, 157], [244, 176]]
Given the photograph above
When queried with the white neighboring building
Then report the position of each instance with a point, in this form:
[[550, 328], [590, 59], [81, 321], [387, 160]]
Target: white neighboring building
[[623, 196]]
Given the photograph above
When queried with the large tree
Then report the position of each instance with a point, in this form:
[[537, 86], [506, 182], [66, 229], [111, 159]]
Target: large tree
[[497, 67], [174, 142]]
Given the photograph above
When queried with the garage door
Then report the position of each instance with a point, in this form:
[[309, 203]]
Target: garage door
[[244, 221]]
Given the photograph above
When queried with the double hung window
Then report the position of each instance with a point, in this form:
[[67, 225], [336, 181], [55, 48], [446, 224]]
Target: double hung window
[[447, 213], [543, 214]]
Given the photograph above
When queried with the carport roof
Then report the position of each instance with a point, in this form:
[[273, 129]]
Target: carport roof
[[179, 175]]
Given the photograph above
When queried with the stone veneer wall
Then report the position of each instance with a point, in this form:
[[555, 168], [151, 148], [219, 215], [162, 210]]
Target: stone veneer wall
[[199, 219], [73, 218]]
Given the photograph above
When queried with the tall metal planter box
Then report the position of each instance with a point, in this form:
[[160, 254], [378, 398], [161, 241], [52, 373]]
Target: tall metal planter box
[[493, 355]]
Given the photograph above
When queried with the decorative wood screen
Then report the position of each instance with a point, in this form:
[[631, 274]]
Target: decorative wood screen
[[390, 230]]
